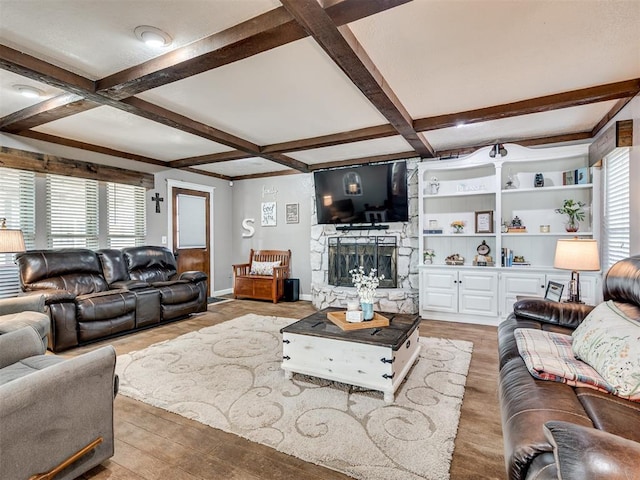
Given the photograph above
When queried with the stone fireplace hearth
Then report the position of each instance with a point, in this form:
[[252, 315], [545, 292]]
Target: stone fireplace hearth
[[402, 237]]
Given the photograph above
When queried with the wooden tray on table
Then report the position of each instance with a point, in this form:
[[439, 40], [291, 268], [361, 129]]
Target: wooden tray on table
[[340, 319]]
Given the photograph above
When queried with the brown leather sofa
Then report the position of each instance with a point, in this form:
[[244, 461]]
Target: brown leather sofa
[[593, 434], [90, 295]]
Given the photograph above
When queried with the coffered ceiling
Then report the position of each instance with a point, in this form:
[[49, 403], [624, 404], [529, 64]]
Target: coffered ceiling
[[262, 87]]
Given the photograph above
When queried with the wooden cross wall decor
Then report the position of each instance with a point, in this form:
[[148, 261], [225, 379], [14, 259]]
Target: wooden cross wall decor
[[157, 198]]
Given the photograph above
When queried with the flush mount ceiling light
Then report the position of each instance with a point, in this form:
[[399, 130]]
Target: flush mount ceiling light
[[28, 91], [152, 36]]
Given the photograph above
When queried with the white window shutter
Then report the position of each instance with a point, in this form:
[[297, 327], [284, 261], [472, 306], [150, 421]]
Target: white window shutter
[[616, 207]]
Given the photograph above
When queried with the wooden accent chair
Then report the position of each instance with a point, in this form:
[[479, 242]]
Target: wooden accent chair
[[262, 278]]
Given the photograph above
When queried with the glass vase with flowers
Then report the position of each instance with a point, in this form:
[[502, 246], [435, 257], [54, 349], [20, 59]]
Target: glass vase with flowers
[[366, 285]]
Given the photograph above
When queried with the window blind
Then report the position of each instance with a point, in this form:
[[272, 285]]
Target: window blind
[[17, 205], [126, 211], [72, 212], [616, 207]]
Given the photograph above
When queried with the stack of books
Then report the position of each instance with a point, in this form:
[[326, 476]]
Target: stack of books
[[516, 229]]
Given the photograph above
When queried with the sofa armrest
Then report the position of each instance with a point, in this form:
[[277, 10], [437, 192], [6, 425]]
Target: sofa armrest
[[563, 314], [193, 276], [584, 453], [241, 269], [26, 303], [22, 343], [52, 413], [53, 295]]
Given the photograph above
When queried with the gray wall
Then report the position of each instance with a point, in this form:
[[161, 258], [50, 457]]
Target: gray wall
[[248, 196], [158, 223]]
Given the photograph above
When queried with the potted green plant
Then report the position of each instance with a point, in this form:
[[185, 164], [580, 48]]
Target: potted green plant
[[574, 211]]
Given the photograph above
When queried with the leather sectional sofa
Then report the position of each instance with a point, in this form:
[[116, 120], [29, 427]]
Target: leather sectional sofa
[[91, 295], [592, 434]]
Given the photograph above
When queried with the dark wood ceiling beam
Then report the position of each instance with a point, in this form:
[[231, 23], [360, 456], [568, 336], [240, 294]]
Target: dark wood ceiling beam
[[209, 174], [619, 105], [344, 49], [279, 173], [43, 163], [211, 158], [27, 66], [368, 133], [67, 142], [525, 142], [53, 109], [364, 160], [583, 96], [260, 34], [35, 68], [172, 119]]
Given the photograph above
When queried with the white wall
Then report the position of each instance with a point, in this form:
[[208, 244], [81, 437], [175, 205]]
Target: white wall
[[248, 196]]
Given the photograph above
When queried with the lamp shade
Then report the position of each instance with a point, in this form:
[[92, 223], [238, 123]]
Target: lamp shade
[[577, 254], [11, 241]]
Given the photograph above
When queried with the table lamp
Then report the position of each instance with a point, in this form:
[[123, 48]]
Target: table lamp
[[576, 255], [11, 241]]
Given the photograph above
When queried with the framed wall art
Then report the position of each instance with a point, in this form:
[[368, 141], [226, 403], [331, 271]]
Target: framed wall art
[[291, 213], [268, 214]]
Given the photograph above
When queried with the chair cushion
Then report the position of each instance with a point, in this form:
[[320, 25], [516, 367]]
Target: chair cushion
[[263, 268]]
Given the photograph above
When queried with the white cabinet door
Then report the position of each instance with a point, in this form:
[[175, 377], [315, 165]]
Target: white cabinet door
[[520, 284], [478, 293], [440, 290]]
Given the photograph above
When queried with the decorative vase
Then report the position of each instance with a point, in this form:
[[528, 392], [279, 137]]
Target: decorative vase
[[572, 226], [367, 310]]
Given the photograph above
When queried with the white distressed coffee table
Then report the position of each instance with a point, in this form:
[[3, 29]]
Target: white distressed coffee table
[[374, 358]]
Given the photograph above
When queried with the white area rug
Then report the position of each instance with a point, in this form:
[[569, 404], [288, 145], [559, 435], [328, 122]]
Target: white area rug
[[228, 376]]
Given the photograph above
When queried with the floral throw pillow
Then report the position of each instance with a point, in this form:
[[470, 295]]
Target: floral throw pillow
[[263, 268], [609, 341]]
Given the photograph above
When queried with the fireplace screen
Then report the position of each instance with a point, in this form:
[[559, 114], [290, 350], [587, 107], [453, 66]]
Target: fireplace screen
[[368, 252]]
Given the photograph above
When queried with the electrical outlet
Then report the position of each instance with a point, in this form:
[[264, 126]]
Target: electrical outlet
[[164, 240]]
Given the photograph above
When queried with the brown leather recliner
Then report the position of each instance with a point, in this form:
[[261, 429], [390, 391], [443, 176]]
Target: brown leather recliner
[[543, 418], [80, 304]]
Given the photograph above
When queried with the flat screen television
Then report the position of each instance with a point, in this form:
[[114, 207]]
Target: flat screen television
[[362, 194]]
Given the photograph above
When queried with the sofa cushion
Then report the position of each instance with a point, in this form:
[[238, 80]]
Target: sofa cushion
[[608, 341], [150, 264], [75, 270], [172, 293], [263, 268], [105, 305], [611, 413]]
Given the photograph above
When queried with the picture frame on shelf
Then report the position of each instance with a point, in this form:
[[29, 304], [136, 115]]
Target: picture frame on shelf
[[554, 291], [484, 221]]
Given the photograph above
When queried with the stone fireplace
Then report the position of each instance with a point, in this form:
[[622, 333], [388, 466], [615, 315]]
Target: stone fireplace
[[394, 249]]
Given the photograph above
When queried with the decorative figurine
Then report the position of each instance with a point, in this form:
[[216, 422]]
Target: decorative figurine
[[539, 180], [434, 186]]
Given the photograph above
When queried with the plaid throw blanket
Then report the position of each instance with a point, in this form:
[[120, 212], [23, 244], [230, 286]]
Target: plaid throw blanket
[[548, 356]]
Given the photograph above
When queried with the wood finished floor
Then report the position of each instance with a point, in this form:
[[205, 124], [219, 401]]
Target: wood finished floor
[[153, 444]]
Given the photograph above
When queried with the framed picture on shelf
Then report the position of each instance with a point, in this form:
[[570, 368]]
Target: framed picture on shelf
[[554, 291], [484, 221]]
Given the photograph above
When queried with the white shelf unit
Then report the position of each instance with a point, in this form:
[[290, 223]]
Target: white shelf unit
[[478, 183]]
